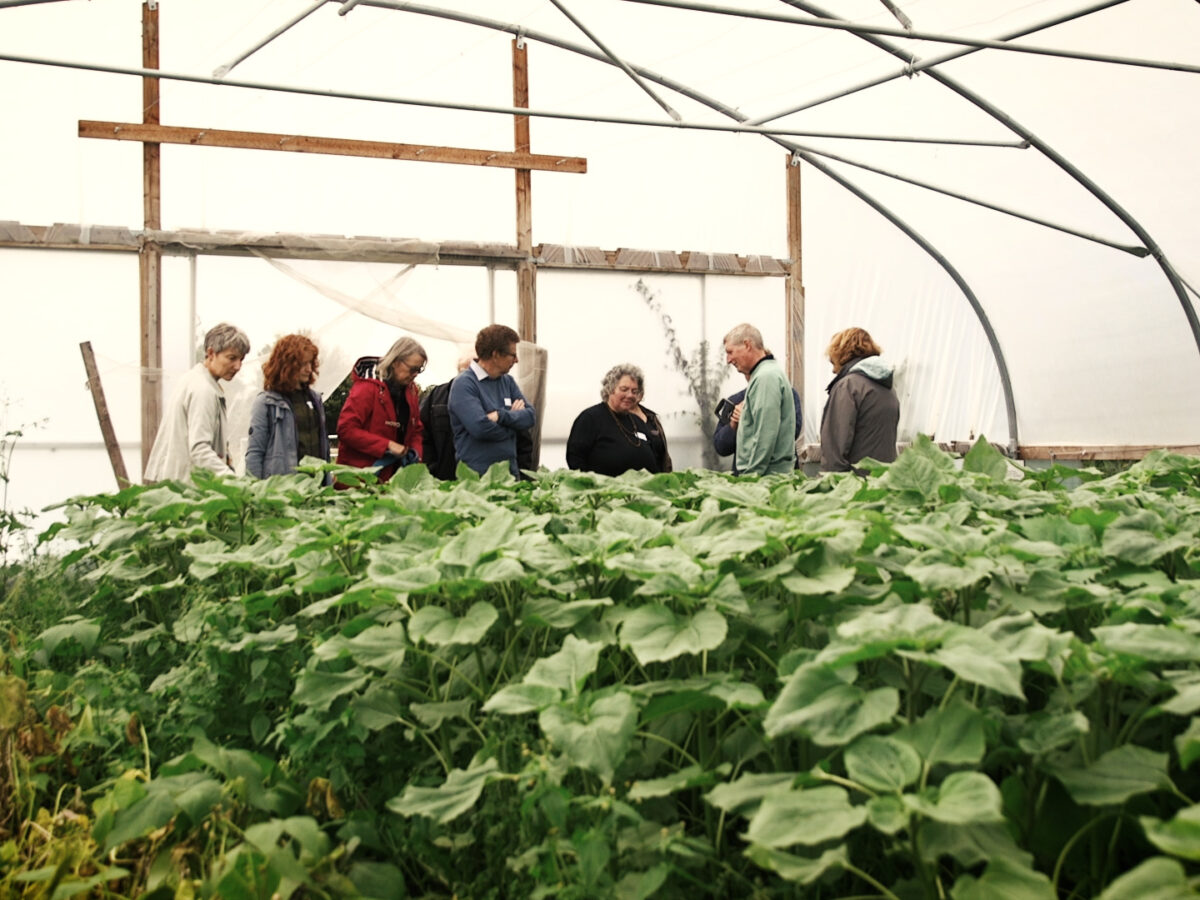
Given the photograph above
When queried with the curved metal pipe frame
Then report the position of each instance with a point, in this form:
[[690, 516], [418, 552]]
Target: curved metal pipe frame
[[717, 106]]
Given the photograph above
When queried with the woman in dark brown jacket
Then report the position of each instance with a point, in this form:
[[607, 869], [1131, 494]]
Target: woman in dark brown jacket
[[862, 411]]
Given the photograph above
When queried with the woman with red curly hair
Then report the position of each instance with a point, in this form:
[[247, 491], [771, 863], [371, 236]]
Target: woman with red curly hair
[[287, 421]]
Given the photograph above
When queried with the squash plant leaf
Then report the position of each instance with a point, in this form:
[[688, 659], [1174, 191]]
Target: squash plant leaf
[[319, 689], [791, 867], [816, 702], [438, 626], [687, 777], [595, 737], [454, 797], [810, 816], [986, 460], [1158, 878], [517, 699], [964, 798], [1004, 878], [1179, 837], [1116, 776], [882, 763], [1153, 643], [742, 797], [655, 633], [567, 669]]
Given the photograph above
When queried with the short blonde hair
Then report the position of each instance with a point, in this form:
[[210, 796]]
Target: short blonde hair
[[401, 350], [851, 343]]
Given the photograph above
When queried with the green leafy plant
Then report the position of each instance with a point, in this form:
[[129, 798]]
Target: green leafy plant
[[931, 681]]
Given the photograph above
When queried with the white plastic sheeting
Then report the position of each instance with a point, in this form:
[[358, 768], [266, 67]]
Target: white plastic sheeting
[[1098, 343]]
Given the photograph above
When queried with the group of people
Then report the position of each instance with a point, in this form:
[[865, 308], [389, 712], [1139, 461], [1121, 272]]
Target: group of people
[[480, 417]]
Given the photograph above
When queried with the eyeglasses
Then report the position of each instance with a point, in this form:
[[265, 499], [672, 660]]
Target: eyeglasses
[[511, 353], [413, 370]]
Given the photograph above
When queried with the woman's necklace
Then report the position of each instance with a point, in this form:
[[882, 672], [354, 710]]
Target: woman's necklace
[[630, 434]]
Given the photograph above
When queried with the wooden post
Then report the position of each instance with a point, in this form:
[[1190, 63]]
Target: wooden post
[[526, 271], [150, 255], [106, 428], [794, 282]]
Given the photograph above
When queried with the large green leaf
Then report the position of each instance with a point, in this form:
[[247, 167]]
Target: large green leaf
[[882, 763], [829, 580], [921, 469], [1116, 776], [811, 816], [816, 702], [986, 460], [683, 779], [656, 633], [567, 669], [952, 735], [1187, 745], [557, 614], [1153, 643], [439, 626], [516, 699], [801, 869], [319, 689], [971, 845], [470, 545], [377, 646], [595, 737], [964, 798], [743, 796], [974, 657], [1006, 879], [1158, 878], [1043, 731], [1179, 837], [455, 796]]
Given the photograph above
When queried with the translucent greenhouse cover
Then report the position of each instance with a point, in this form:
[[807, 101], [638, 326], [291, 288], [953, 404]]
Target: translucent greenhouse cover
[[1070, 323]]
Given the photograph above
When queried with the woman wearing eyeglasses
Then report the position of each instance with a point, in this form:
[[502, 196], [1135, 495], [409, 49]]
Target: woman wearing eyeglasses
[[380, 424]]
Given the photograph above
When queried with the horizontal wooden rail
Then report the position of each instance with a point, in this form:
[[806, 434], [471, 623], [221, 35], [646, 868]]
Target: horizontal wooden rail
[[295, 143]]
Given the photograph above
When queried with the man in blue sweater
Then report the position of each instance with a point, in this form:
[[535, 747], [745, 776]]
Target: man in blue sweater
[[487, 409]]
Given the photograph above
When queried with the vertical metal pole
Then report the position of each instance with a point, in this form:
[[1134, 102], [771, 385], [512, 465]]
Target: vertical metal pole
[[526, 271], [150, 256], [794, 282]]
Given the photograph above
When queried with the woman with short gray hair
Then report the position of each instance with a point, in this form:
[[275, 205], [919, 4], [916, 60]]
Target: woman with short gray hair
[[618, 433], [193, 433]]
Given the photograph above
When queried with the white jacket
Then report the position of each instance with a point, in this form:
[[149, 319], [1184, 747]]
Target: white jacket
[[193, 431]]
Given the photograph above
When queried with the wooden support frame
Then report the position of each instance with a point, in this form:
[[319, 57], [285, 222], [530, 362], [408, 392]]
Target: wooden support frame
[[526, 271], [794, 285], [150, 254], [296, 143], [106, 426]]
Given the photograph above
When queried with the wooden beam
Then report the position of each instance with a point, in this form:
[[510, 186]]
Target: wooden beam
[[794, 285], [1099, 452], [150, 255], [295, 143], [526, 270], [189, 242], [106, 426]]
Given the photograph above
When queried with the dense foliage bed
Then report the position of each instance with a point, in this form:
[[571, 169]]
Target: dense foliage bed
[[964, 681]]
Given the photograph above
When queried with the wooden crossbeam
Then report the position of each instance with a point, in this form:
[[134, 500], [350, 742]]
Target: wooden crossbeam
[[295, 143]]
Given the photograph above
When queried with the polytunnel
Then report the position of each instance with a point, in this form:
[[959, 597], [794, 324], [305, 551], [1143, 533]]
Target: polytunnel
[[1003, 193]]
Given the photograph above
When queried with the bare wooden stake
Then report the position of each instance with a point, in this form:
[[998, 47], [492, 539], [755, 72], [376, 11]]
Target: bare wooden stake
[[106, 427], [150, 256]]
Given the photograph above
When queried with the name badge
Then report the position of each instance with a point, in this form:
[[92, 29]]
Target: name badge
[[640, 436], [508, 401]]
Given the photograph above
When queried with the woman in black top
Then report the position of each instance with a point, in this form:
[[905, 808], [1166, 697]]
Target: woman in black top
[[618, 433]]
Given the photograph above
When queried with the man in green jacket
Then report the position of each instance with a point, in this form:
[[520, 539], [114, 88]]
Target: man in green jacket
[[766, 429]]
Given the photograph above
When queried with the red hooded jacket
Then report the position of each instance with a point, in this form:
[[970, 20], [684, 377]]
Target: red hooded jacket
[[363, 427]]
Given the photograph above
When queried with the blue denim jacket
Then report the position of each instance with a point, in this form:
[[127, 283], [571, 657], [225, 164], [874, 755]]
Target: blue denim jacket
[[272, 448]]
